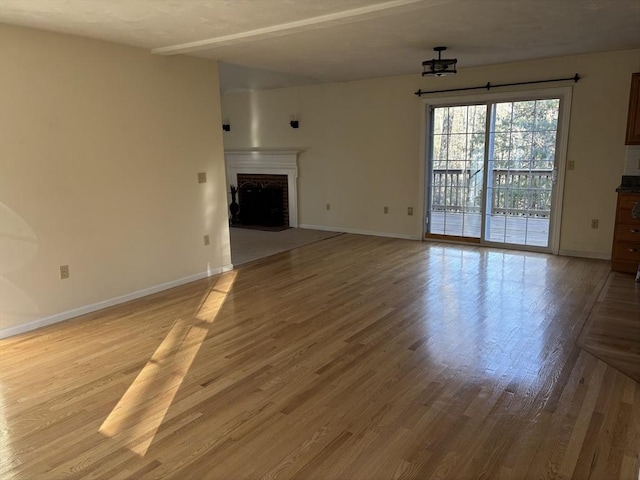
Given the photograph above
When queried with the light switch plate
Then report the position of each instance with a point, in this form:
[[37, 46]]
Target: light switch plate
[[64, 272]]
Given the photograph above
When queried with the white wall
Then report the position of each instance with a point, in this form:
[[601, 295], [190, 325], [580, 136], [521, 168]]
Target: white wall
[[100, 146], [361, 143]]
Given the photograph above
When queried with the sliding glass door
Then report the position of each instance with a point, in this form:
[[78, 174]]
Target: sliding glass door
[[492, 172]]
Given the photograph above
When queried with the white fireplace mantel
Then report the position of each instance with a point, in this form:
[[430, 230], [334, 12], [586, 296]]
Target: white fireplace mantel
[[267, 162]]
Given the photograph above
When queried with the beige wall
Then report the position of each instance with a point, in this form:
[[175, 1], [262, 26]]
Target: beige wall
[[100, 146], [361, 143]]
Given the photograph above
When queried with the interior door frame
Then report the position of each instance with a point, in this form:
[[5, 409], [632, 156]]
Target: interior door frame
[[562, 141]]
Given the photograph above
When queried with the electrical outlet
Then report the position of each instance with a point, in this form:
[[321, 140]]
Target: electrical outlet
[[410, 211], [202, 177], [206, 239], [64, 272], [386, 210], [572, 165], [328, 206], [594, 223]]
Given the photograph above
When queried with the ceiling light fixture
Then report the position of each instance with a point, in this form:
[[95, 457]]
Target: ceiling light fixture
[[439, 67]]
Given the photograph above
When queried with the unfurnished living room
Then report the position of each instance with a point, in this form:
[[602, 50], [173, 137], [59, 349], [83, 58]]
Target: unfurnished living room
[[319, 239]]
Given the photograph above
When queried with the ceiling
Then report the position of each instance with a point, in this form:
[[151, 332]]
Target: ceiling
[[280, 43]]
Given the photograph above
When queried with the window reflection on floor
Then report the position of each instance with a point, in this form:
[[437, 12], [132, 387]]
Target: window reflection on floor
[[488, 295]]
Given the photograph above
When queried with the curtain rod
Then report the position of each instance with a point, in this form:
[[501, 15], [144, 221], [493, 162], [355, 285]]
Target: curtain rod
[[488, 86]]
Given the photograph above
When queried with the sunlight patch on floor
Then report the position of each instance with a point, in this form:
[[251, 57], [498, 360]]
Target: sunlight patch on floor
[[6, 450], [139, 413]]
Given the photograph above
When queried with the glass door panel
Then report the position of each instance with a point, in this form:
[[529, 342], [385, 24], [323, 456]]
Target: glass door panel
[[457, 170], [522, 162]]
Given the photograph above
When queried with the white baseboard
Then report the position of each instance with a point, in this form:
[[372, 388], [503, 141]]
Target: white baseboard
[[60, 317], [577, 253], [359, 232]]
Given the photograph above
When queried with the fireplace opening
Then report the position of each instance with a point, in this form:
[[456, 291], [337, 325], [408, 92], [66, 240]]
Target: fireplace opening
[[263, 201]]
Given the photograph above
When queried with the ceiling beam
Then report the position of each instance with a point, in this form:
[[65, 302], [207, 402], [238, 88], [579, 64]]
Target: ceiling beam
[[284, 28]]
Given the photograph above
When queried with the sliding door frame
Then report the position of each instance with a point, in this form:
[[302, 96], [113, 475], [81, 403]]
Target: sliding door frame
[[562, 139]]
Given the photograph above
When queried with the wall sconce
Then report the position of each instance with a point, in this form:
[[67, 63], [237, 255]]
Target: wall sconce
[[226, 126], [293, 122]]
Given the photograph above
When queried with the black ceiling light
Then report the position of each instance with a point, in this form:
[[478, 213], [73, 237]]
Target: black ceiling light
[[439, 67]]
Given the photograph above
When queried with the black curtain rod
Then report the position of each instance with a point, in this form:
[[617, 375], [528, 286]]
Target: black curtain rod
[[488, 86]]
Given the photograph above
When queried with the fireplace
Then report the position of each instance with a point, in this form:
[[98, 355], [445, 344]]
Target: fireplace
[[267, 186], [263, 200]]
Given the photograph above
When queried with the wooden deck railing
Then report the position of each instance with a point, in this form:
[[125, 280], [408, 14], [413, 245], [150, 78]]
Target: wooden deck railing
[[515, 192]]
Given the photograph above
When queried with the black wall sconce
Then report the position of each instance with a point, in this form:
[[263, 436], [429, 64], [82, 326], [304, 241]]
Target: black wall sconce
[[226, 126], [293, 122]]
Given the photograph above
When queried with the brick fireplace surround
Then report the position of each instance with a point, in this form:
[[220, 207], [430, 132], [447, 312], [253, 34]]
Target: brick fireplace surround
[[265, 162]]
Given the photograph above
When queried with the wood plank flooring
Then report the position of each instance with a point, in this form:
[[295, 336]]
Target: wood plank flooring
[[351, 358], [612, 331]]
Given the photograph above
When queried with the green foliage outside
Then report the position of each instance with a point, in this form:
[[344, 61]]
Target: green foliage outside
[[521, 153]]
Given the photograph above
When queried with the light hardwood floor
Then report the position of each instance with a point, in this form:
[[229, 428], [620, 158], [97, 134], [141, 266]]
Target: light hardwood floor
[[612, 331], [351, 358]]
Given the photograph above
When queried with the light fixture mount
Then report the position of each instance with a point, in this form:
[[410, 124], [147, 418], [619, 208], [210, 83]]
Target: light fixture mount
[[439, 67]]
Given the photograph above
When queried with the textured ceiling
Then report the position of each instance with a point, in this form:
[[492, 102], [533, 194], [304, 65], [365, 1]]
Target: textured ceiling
[[274, 43]]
